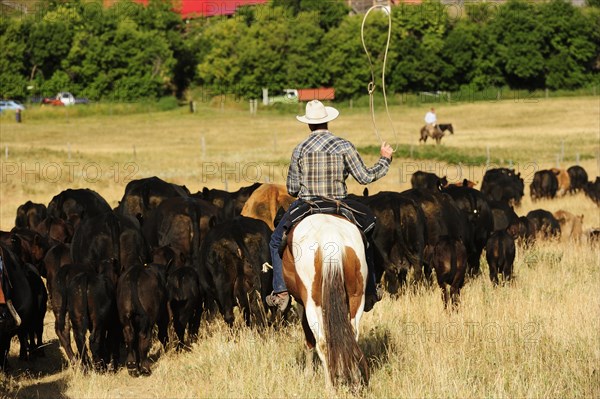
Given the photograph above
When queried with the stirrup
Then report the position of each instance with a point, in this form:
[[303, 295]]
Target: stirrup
[[275, 301]]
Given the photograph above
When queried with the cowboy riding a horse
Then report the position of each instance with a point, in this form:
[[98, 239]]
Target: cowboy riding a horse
[[433, 129], [326, 264]]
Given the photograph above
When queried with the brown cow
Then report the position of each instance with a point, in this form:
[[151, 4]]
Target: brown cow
[[265, 201], [570, 225], [564, 181], [500, 254], [449, 260]]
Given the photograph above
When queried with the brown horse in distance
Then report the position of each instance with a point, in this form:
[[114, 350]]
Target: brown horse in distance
[[438, 134]]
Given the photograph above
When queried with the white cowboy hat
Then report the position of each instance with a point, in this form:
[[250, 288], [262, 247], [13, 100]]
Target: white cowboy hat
[[317, 113]]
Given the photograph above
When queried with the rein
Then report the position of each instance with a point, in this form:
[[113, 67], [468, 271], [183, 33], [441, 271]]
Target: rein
[[371, 85]]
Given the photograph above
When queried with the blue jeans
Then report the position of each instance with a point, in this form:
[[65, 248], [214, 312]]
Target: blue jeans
[[278, 282], [276, 237]]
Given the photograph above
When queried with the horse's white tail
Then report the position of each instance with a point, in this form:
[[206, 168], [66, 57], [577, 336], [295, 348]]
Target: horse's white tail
[[346, 362]]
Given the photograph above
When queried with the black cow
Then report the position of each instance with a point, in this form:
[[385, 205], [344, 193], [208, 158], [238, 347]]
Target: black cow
[[16, 282], [144, 195], [399, 237], [578, 178], [544, 185], [443, 218], [184, 295], [109, 236], [74, 205], [142, 303], [479, 215], [56, 230], [59, 304], [30, 214], [182, 224], [449, 259], [185, 301], [92, 307], [232, 267], [29, 246], [32, 339], [428, 181], [230, 203], [500, 255], [56, 257], [174, 223], [592, 190], [503, 184], [524, 231], [544, 224], [503, 214]]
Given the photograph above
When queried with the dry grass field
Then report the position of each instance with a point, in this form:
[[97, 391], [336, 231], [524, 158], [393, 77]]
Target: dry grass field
[[538, 337]]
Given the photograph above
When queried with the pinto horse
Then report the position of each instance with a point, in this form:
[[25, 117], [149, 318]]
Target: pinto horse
[[325, 269], [438, 134]]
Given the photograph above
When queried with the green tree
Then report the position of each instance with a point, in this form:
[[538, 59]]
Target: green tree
[[219, 70], [570, 45], [13, 71], [50, 40], [303, 60], [460, 55], [263, 54], [328, 14], [344, 61], [517, 34], [418, 42]]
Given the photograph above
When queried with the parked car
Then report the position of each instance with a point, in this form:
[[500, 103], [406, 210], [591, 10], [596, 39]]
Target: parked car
[[11, 105], [64, 98]]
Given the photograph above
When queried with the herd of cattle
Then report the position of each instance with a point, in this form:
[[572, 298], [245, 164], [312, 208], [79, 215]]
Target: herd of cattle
[[164, 255]]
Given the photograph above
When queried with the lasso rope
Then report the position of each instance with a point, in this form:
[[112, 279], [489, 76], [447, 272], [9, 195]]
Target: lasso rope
[[371, 85]]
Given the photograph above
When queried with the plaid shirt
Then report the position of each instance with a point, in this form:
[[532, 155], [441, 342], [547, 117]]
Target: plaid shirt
[[321, 164]]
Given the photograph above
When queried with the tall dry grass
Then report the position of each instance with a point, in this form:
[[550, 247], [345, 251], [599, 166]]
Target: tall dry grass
[[537, 337]]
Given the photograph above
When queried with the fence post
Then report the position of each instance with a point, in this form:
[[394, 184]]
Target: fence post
[[562, 151]]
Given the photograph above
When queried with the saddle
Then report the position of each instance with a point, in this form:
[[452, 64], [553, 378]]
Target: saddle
[[364, 221]]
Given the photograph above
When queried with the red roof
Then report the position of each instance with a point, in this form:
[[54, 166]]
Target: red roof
[[209, 8]]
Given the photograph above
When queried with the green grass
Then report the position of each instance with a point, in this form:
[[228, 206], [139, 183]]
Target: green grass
[[438, 153]]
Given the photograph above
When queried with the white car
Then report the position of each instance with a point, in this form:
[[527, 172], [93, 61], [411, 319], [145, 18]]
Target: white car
[[11, 105], [66, 98]]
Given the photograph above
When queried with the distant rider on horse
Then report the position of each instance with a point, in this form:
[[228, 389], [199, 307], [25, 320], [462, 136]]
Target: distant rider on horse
[[431, 122]]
